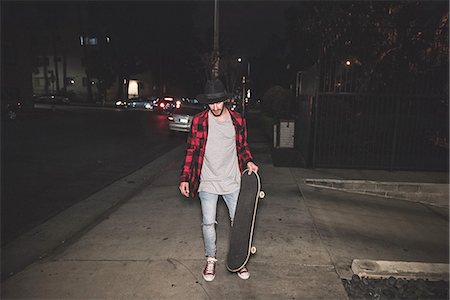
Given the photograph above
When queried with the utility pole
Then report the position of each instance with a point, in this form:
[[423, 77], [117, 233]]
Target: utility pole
[[45, 61], [215, 54], [55, 59]]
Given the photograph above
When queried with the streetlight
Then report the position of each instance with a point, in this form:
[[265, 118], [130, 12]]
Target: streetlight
[[248, 65]]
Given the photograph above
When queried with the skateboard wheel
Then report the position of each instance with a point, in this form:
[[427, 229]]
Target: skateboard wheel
[[262, 194], [253, 250]]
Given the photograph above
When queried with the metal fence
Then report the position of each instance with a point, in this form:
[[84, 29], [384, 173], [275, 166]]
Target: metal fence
[[387, 132], [358, 121]]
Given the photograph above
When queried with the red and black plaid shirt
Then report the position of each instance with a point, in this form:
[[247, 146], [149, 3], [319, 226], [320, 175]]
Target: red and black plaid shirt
[[196, 146]]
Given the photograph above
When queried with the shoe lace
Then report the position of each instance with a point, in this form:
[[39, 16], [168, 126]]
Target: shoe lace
[[210, 265]]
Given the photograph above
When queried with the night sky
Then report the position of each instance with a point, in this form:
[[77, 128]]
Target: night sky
[[170, 38], [167, 37], [245, 25]]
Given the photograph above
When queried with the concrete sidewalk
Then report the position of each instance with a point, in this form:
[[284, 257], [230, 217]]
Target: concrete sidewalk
[[151, 246]]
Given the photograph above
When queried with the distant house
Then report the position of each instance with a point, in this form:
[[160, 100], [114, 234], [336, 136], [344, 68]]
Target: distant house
[[63, 75], [137, 85]]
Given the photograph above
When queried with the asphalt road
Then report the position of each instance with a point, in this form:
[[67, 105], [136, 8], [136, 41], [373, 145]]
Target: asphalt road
[[53, 159]]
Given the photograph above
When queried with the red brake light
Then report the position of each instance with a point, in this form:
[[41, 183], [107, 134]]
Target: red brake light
[[161, 105]]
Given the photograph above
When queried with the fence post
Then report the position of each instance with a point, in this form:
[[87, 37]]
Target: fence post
[[315, 120], [394, 138], [315, 107]]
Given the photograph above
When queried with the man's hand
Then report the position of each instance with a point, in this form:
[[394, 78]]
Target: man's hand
[[184, 189], [252, 168]]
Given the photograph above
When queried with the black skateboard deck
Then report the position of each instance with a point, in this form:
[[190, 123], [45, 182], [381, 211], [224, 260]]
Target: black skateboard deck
[[244, 222]]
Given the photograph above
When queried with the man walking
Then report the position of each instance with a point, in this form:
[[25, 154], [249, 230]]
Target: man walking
[[217, 152]]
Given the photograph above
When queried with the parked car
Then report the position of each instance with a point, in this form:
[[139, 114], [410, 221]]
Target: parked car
[[189, 100], [121, 103], [139, 102], [52, 99], [181, 119], [165, 105]]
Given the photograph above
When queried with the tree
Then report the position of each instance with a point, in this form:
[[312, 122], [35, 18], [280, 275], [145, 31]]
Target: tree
[[387, 40]]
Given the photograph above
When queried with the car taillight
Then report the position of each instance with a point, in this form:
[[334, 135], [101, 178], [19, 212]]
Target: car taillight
[[170, 118], [161, 105], [178, 104]]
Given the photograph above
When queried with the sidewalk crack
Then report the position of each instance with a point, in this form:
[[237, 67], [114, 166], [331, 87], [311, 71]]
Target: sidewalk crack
[[172, 260], [330, 255], [102, 260]]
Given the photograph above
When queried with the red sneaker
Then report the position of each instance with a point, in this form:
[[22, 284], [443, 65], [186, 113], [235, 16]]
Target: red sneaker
[[244, 273], [209, 272]]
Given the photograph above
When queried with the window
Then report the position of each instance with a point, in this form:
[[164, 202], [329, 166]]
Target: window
[[88, 40], [92, 41]]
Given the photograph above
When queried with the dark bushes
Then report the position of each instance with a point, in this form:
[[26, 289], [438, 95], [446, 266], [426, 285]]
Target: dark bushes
[[278, 102]]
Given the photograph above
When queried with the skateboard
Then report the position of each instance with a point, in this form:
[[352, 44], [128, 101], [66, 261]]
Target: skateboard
[[241, 236]]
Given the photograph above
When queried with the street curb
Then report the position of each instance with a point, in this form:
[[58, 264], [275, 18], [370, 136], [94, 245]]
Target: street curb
[[378, 269], [436, 194], [55, 232]]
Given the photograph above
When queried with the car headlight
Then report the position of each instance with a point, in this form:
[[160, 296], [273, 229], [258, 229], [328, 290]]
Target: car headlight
[[148, 106], [119, 102]]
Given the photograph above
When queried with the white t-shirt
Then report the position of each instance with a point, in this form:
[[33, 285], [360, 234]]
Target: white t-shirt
[[220, 170]]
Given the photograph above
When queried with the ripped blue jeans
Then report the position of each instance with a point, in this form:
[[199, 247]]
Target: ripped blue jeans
[[209, 209]]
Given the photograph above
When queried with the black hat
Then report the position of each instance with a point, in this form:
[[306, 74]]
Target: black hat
[[214, 92]]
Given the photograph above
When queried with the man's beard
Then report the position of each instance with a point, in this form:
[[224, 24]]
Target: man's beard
[[221, 112]]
